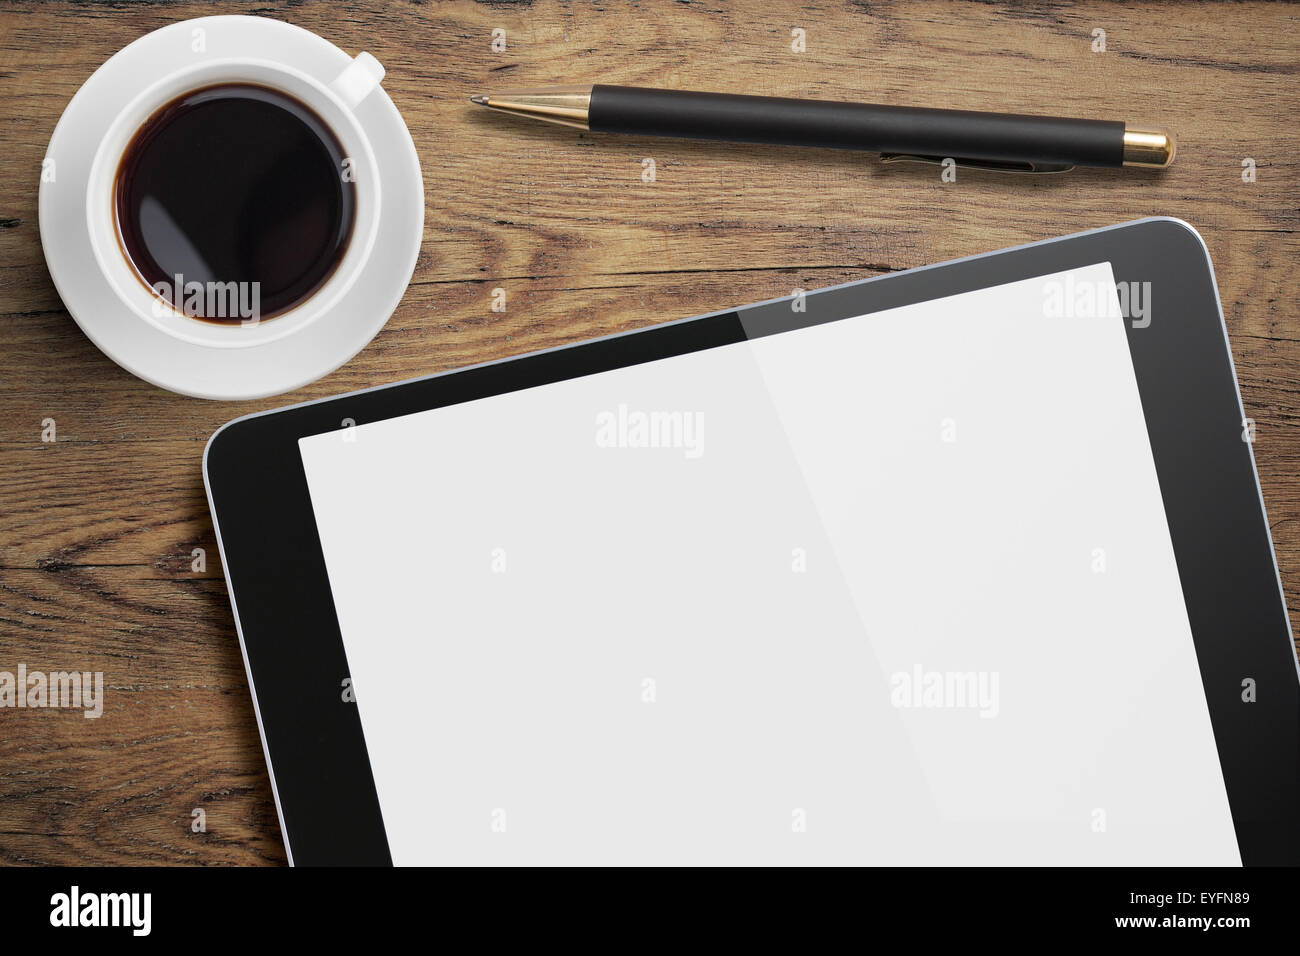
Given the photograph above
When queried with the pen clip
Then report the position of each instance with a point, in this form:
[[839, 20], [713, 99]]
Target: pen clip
[[1000, 166]]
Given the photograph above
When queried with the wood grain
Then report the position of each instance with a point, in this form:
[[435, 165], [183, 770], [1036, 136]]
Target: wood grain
[[97, 530]]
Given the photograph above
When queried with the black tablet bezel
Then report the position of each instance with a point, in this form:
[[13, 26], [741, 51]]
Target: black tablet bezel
[[293, 650]]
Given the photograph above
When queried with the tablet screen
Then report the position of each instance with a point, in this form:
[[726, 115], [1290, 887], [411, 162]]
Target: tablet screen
[[890, 589]]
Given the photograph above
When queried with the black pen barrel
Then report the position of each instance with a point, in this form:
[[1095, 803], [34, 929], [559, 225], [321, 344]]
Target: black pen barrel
[[961, 134]]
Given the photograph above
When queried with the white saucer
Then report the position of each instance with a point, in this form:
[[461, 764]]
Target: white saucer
[[225, 373]]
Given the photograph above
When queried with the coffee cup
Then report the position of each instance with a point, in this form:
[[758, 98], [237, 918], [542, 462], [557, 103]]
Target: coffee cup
[[334, 103], [104, 217]]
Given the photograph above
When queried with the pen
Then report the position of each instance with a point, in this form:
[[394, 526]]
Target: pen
[[1001, 141]]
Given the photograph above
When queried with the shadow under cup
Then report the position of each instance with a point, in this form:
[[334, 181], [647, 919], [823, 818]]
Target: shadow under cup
[[234, 203]]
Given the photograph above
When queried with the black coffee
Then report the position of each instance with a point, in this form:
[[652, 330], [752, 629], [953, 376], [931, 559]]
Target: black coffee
[[234, 184]]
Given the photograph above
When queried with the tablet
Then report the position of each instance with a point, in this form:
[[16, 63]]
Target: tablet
[[962, 565]]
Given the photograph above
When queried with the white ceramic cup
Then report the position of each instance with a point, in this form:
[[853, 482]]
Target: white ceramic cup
[[333, 102]]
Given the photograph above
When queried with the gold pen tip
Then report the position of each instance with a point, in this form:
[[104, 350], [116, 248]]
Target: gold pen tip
[[568, 106]]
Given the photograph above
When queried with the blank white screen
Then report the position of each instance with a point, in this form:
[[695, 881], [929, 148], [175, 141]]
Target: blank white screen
[[752, 646]]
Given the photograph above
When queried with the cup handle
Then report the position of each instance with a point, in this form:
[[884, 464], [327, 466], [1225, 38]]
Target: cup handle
[[358, 80]]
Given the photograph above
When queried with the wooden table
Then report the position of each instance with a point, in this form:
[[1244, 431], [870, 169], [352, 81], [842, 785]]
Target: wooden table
[[98, 529]]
